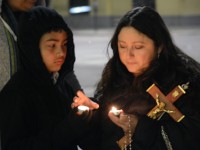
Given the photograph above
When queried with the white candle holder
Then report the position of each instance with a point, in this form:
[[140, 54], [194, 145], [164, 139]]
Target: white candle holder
[[115, 111], [82, 109]]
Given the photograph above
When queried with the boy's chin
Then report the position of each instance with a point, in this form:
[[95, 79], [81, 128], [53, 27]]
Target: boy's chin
[[54, 70]]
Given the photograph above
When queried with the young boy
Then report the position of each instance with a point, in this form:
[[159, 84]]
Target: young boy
[[33, 113], [10, 11]]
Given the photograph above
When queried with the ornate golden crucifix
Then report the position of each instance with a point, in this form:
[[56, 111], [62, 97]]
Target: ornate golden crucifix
[[165, 103]]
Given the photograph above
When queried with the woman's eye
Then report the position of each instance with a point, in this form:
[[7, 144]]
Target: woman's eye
[[122, 46], [138, 47]]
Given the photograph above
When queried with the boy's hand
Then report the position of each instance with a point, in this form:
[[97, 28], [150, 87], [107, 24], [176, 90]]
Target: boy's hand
[[82, 99]]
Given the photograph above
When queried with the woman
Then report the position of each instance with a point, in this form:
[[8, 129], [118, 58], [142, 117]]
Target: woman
[[144, 54]]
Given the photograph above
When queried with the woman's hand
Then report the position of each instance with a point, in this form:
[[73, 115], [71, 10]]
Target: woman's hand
[[82, 99], [126, 121]]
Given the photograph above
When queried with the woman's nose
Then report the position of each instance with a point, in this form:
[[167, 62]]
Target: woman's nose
[[131, 51]]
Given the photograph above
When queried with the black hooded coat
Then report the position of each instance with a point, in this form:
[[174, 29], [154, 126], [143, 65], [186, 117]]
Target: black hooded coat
[[33, 113]]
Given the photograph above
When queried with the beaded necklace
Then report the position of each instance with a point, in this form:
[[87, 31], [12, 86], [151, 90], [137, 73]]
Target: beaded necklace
[[128, 136]]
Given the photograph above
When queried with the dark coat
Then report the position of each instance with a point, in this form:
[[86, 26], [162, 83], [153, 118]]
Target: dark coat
[[33, 114], [149, 134]]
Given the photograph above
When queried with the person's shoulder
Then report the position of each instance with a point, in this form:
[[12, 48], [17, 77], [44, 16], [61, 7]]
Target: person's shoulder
[[16, 82], [2, 31]]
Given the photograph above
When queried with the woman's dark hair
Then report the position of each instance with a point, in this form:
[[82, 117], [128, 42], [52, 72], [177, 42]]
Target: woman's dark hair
[[147, 21]]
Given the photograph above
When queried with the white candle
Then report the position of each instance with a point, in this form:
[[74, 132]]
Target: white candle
[[115, 111], [82, 108]]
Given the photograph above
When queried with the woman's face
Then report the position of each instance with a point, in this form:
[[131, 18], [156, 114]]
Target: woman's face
[[136, 50], [21, 5], [53, 49]]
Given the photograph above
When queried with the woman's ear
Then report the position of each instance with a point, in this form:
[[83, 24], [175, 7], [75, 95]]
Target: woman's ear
[[159, 51]]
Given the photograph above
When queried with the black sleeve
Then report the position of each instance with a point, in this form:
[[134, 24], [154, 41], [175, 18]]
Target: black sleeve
[[28, 125], [91, 139], [72, 130], [62, 135], [71, 80]]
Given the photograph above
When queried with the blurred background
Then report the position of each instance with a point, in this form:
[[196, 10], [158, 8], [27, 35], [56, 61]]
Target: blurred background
[[106, 13], [93, 23]]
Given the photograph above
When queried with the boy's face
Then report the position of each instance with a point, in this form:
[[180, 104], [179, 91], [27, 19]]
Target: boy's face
[[53, 49], [21, 5]]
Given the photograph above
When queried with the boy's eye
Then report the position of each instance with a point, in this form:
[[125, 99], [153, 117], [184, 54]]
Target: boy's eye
[[65, 44], [51, 45]]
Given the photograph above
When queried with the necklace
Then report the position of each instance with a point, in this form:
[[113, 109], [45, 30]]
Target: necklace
[[128, 138], [125, 142]]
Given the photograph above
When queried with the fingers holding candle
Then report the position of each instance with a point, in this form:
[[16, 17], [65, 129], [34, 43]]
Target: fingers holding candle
[[87, 101], [82, 99], [82, 109], [120, 120], [116, 111], [75, 102], [118, 117], [127, 122]]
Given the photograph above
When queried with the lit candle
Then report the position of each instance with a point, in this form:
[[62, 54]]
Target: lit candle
[[115, 111], [82, 108]]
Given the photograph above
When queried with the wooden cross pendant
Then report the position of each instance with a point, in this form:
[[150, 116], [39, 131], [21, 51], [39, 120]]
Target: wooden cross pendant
[[165, 103]]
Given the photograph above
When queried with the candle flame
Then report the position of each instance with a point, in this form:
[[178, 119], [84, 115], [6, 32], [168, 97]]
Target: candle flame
[[115, 111]]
